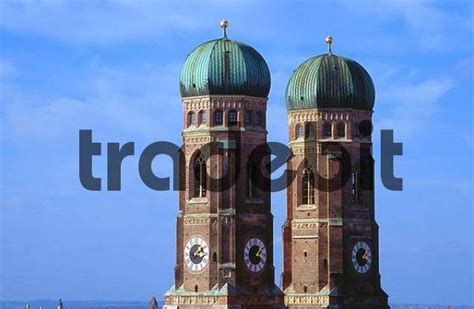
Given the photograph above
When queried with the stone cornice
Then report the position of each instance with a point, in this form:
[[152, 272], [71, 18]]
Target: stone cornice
[[224, 102], [343, 114]]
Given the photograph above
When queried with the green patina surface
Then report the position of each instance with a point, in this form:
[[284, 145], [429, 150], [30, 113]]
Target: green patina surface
[[330, 81], [224, 67]]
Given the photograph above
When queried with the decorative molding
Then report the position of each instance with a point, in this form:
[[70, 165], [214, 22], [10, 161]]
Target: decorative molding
[[198, 200], [305, 237], [192, 300], [300, 148], [306, 300], [304, 225], [197, 221], [224, 102], [306, 207], [328, 114], [313, 115], [198, 139], [224, 300]]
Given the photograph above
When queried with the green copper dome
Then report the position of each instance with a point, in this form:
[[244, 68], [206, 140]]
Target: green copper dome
[[224, 67], [330, 81]]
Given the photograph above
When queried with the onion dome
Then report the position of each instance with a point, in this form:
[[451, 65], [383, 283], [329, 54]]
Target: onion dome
[[330, 81], [224, 67]]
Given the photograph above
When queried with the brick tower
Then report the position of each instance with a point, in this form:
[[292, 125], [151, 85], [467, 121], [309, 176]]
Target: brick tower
[[330, 235], [224, 225]]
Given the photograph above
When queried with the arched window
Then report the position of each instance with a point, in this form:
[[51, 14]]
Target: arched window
[[305, 289], [200, 174], [252, 179], [355, 130], [341, 130], [214, 257], [308, 185], [367, 173], [364, 128], [365, 178], [248, 118], [218, 118], [258, 119], [191, 119], [196, 288], [299, 131], [202, 118], [327, 130], [355, 185], [310, 130], [232, 117]]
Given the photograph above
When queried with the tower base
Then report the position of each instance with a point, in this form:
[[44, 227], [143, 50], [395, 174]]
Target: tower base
[[226, 297]]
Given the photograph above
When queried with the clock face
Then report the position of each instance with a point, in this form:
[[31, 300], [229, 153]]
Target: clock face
[[196, 254], [361, 257], [255, 254]]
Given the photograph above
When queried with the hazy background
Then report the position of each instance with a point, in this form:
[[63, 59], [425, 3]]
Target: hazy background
[[113, 66]]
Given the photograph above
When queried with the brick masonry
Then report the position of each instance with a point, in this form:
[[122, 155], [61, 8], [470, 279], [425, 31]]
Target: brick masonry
[[318, 266], [225, 218]]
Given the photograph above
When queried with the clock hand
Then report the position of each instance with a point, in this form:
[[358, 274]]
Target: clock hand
[[258, 252], [198, 251], [365, 256]]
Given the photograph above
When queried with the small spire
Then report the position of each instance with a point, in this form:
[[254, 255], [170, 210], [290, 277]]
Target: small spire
[[153, 304], [224, 25], [328, 41]]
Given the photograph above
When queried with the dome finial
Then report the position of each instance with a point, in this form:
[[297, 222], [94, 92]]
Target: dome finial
[[328, 41], [224, 25]]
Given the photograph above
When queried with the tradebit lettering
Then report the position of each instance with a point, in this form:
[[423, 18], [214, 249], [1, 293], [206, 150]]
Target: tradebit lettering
[[116, 153]]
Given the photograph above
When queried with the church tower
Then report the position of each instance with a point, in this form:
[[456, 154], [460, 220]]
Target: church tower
[[224, 255], [330, 237]]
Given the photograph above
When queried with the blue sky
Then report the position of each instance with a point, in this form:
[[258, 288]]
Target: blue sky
[[113, 67]]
